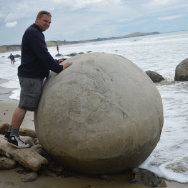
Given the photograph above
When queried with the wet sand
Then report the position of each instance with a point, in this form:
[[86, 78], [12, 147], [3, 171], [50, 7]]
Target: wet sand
[[11, 178]]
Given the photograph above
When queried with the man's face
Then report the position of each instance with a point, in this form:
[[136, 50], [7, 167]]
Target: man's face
[[44, 22]]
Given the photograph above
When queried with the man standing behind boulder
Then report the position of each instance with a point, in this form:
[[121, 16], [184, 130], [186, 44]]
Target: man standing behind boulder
[[36, 62]]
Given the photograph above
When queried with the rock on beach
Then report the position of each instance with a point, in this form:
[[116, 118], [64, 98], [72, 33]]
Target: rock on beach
[[181, 72], [154, 76], [101, 115]]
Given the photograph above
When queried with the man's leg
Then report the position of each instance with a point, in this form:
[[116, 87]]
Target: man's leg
[[17, 119], [31, 89]]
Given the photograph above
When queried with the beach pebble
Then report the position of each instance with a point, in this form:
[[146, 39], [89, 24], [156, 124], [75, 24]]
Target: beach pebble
[[74, 54], [142, 176], [154, 76], [101, 115], [58, 55], [6, 163], [29, 177], [17, 55]]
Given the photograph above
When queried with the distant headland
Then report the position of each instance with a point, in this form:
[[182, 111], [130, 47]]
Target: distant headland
[[7, 48]]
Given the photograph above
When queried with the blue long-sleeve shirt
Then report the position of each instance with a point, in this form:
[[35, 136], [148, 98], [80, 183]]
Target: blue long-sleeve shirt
[[36, 61]]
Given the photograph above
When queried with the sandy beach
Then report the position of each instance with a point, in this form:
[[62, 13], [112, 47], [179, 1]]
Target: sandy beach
[[11, 178]]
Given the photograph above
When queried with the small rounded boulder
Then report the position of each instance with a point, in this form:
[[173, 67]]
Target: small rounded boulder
[[101, 115]]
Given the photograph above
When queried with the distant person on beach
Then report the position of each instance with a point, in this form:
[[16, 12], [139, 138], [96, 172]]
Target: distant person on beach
[[57, 47], [12, 58], [36, 62]]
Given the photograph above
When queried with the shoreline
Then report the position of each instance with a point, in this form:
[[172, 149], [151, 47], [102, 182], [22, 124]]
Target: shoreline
[[17, 47], [11, 178]]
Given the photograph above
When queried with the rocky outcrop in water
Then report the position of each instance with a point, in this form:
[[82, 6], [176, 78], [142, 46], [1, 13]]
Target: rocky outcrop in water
[[181, 72], [155, 77], [145, 177]]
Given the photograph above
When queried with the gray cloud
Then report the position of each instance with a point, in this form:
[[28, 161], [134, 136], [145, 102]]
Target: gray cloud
[[170, 17], [11, 24]]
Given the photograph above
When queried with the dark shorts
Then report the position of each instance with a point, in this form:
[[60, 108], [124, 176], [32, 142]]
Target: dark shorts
[[31, 89]]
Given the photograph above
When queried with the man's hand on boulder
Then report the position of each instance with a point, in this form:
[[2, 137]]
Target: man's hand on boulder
[[61, 60], [67, 65]]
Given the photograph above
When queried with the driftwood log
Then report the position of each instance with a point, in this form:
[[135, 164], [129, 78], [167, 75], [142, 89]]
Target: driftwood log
[[27, 157], [22, 131]]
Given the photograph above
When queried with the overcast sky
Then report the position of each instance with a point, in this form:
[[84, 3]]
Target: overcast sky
[[88, 19]]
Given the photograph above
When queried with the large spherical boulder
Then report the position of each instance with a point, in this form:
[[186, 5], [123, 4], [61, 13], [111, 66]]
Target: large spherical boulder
[[101, 115], [181, 72]]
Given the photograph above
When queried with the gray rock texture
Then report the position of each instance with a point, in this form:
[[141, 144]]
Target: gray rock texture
[[154, 76], [181, 72], [143, 176], [101, 115]]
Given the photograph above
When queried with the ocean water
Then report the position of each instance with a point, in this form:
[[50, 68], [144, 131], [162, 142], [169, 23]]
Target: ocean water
[[160, 53]]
